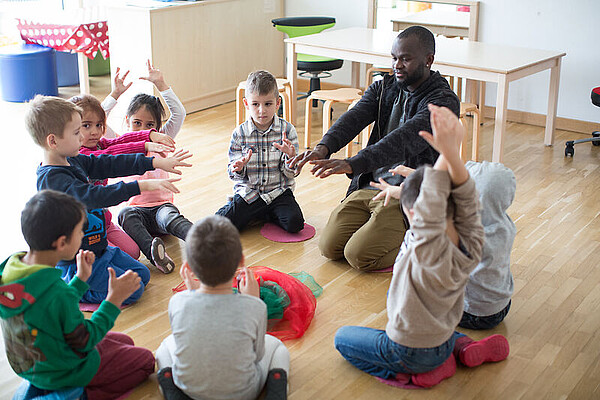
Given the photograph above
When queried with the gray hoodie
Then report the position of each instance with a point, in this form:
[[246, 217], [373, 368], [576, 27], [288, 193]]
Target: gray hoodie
[[490, 285]]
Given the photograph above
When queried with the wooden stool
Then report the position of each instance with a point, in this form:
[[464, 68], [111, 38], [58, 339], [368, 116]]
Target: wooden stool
[[343, 95], [364, 135], [464, 109], [285, 91]]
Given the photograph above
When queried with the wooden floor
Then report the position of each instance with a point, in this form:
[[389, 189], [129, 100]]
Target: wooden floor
[[553, 326]]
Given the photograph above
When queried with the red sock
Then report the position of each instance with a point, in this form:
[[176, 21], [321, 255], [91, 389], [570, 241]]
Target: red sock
[[491, 349], [432, 378]]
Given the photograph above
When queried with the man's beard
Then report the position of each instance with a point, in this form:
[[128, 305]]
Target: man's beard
[[412, 78]]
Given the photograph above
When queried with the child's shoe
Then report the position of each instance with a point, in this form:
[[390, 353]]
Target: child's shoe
[[276, 385], [167, 385], [432, 378], [160, 258], [491, 349], [400, 380]]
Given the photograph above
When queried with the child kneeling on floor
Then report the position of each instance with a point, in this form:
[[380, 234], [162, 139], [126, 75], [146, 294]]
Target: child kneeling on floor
[[425, 298], [219, 348], [48, 341]]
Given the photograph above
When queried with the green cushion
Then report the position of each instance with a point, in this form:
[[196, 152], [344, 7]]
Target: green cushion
[[295, 31]]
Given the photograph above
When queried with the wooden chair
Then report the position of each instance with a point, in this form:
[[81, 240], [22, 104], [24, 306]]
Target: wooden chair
[[363, 138], [343, 95], [285, 91], [466, 108]]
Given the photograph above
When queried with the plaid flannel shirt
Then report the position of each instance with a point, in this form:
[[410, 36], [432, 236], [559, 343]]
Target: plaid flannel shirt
[[266, 174]]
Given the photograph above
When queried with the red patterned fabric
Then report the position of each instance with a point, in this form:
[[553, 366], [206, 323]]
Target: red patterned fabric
[[86, 38]]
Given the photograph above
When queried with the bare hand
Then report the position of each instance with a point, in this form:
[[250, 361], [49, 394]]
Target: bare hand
[[239, 165], [119, 84], [401, 170], [170, 164], [155, 76], [319, 153], [387, 191], [286, 147], [189, 279], [148, 185], [161, 138], [248, 284], [85, 260], [119, 289], [324, 168], [161, 149], [448, 132]]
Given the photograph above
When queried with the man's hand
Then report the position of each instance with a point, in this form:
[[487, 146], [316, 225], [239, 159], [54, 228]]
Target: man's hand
[[248, 284], [324, 168], [387, 191], [170, 164], [239, 165], [189, 279], [319, 153], [286, 146], [85, 259], [119, 84], [148, 185], [161, 138], [156, 77], [119, 289]]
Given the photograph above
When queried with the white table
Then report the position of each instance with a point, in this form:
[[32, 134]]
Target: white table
[[446, 23], [471, 60]]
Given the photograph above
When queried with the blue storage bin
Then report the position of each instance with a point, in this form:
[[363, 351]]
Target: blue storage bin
[[67, 70], [27, 70]]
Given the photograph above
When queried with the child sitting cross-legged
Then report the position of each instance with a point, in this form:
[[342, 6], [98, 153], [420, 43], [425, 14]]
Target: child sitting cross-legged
[[48, 341], [219, 348], [425, 298]]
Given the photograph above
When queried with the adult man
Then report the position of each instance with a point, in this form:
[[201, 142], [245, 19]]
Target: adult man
[[365, 232]]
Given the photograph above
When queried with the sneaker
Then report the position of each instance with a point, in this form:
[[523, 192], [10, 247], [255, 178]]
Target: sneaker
[[432, 378], [276, 385], [167, 387], [491, 349], [160, 258]]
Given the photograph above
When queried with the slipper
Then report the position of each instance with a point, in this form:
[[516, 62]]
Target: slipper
[[160, 258]]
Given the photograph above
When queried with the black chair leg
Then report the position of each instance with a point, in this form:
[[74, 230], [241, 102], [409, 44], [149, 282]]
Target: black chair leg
[[315, 84]]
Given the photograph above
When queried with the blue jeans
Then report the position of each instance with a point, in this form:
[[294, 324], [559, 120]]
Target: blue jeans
[[471, 321], [372, 351]]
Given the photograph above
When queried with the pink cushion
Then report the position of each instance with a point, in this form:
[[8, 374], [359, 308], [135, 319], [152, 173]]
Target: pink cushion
[[277, 234]]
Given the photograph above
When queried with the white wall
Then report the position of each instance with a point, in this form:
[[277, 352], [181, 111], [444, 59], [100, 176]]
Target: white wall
[[566, 26]]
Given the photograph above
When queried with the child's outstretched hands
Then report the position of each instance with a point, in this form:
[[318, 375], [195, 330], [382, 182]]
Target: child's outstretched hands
[[387, 191], [156, 77], [239, 165], [148, 185], [286, 146], [447, 134], [170, 164], [161, 138], [191, 283], [85, 259], [161, 149], [119, 289], [401, 170], [247, 282], [119, 84]]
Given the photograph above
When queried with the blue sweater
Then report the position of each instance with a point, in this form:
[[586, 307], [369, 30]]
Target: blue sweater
[[76, 181]]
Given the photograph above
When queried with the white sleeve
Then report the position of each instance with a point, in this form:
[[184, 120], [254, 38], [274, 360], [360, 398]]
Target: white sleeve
[[107, 105], [175, 121]]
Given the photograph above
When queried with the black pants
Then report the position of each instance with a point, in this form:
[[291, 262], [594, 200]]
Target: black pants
[[145, 223], [471, 321], [283, 211]]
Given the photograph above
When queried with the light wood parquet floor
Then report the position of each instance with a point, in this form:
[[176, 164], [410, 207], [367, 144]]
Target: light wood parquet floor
[[553, 326]]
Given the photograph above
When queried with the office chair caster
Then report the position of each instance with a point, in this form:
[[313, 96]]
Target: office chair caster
[[569, 148]]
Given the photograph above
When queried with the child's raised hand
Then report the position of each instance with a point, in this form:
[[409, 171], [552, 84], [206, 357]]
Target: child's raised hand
[[286, 147], [401, 170], [161, 138], [85, 259], [191, 283], [387, 191], [248, 284], [148, 185], [119, 289], [119, 84], [155, 76], [170, 164], [239, 165], [447, 134], [161, 149]]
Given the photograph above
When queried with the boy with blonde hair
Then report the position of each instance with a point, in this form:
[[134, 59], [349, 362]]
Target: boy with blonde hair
[[259, 153], [219, 348], [54, 125]]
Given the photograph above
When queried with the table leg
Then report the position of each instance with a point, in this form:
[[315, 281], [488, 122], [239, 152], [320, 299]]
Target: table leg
[[84, 77], [500, 123], [292, 69], [356, 75], [552, 103]]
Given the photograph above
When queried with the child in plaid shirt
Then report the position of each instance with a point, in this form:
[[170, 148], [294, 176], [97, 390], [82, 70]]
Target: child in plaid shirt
[[259, 153]]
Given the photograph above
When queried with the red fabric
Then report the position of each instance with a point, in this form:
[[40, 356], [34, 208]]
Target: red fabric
[[128, 143], [278, 234], [86, 38], [122, 367]]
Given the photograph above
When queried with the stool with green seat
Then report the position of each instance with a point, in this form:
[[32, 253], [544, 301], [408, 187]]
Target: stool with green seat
[[314, 66]]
